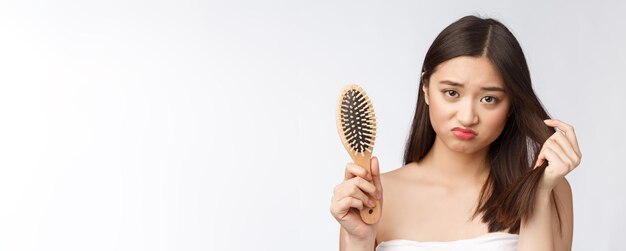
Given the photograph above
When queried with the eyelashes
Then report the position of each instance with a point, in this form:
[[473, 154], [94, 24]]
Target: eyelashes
[[449, 91], [495, 100], [489, 99]]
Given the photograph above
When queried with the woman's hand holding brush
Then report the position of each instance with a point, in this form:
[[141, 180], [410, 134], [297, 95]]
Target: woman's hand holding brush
[[358, 190]]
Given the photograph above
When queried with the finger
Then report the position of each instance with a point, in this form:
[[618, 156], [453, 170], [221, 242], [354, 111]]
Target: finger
[[566, 147], [366, 202], [376, 177], [353, 170], [365, 186], [553, 157], [560, 125], [543, 156], [556, 148], [353, 191], [349, 202], [561, 157], [568, 130]]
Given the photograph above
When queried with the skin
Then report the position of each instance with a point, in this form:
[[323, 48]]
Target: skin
[[435, 199]]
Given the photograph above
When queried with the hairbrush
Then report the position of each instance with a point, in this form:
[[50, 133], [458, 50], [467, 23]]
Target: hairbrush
[[356, 123]]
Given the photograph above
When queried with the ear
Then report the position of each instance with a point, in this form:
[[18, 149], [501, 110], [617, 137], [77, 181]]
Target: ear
[[425, 90]]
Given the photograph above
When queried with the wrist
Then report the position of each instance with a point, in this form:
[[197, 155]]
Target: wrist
[[547, 185], [360, 243]]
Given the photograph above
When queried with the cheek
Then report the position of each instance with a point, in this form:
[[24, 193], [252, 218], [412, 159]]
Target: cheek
[[497, 121], [440, 112]]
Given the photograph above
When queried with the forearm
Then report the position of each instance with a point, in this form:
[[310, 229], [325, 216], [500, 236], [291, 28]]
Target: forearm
[[347, 243], [536, 231]]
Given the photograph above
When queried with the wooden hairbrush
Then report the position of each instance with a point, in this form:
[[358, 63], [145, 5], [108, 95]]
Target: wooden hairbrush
[[356, 123]]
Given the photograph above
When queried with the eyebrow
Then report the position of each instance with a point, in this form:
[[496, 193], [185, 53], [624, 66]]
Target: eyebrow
[[486, 88]]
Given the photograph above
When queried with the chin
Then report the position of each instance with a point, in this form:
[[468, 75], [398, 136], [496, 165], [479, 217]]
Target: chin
[[466, 147], [465, 150]]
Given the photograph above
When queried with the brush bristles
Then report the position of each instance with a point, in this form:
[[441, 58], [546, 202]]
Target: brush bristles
[[358, 121]]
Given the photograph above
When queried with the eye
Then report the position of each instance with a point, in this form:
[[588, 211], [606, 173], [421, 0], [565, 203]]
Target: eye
[[490, 99], [450, 93]]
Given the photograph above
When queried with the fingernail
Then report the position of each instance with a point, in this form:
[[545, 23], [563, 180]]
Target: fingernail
[[371, 203]]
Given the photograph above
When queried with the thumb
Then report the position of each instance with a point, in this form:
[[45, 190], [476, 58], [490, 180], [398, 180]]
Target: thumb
[[376, 177], [374, 166], [540, 159]]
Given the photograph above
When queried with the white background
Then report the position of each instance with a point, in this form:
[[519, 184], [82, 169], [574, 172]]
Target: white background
[[194, 125]]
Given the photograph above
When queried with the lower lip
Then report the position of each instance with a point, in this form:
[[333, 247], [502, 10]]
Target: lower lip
[[464, 135]]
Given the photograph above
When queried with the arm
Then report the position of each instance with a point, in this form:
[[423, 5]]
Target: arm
[[349, 244], [542, 231]]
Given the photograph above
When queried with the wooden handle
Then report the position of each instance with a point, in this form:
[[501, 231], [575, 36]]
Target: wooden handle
[[368, 215]]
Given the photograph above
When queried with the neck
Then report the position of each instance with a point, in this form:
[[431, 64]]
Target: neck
[[457, 167]]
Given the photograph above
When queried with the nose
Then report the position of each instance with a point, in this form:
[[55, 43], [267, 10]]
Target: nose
[[466, 114]]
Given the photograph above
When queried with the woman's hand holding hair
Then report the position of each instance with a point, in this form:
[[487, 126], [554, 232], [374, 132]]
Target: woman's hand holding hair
[[562, 153]]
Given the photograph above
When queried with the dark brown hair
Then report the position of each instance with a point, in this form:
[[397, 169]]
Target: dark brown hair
[[509, 192]]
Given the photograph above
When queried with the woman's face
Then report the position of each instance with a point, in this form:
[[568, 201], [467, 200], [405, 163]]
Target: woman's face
[[467, 93]]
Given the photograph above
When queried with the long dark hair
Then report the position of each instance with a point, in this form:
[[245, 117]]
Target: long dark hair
[[509, 192]]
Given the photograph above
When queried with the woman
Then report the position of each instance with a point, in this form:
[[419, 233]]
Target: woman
[[483, 170]]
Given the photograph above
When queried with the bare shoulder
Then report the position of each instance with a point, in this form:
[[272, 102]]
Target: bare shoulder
[[395, 175], [396, 184], [563, 216], [563, 190], [392, 183]]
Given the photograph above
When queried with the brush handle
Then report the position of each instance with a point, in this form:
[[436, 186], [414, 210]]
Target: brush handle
[[368, 215]]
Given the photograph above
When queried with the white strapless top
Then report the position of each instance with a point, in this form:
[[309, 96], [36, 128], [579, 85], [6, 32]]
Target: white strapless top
[[492, 241]]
